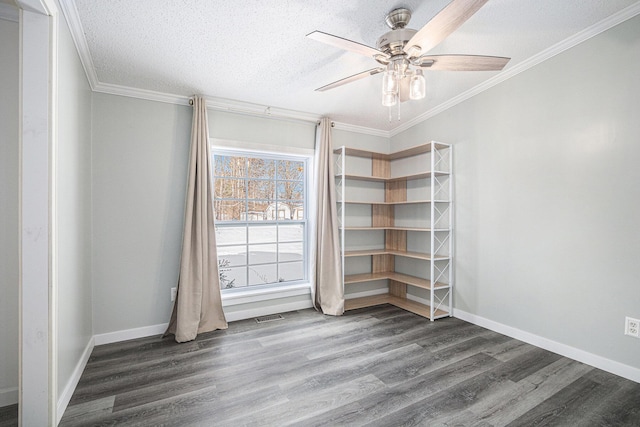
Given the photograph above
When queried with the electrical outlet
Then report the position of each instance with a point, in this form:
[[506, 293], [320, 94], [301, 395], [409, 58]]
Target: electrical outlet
[[632, 327], [174, 293]]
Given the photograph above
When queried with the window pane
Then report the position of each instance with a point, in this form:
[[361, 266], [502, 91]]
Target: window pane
[[261, 168], [277, 211], [290, 169], [263, 274], [257, 210], [228, 210], [291, 232], [264, 234], [290, 252], [291, 271], [230, 166], [258, 189], [233, 277], [231, 235], [229, 188], [232, 256], [297, 209], [262, 254], [258, 201], [290, 190]]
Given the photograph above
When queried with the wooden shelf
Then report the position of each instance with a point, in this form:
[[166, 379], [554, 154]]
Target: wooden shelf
[[367, 228], [405, 304], [397, 231], [406, 254], [370, 301], [398, 277], [413, 151], [391, 179], [364, 277]]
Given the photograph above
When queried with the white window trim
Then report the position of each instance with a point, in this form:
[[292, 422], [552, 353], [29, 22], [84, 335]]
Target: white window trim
[[228, 144], [274, 291], [246, 296]]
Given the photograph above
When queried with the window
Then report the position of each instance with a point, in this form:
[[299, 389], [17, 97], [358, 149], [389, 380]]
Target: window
[[261, 218]]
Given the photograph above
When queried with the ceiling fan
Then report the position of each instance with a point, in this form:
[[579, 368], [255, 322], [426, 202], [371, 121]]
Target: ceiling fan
[[401, 48]]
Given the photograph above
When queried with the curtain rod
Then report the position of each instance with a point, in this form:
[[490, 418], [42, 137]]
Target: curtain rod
[[333, 124]]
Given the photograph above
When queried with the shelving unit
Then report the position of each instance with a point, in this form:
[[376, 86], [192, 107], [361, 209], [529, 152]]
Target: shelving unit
[[411, 255]]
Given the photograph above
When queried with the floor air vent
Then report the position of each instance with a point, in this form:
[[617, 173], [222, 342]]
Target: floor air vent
[[269, 318]]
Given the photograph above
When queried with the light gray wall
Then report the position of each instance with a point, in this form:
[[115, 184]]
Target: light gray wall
[[73, 209], [261, 130], [359, 140], [139, 154], [8, 212], [548, 196]]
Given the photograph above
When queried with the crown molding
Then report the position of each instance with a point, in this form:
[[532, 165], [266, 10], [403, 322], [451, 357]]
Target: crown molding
[[77, 33], [132, 92], [566, 44], [72, 17], [259, 110], [71, 14], [362, 130], [9, 13], [232, 106]]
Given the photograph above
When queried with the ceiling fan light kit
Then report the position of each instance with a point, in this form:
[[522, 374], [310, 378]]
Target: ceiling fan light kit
[[403, 52], [417, 85]]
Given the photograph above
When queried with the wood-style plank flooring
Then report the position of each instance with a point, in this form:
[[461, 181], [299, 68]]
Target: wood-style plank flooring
[[9, 416], [379, 366]]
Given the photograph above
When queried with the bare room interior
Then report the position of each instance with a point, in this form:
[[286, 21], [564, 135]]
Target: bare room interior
[[418, 212]]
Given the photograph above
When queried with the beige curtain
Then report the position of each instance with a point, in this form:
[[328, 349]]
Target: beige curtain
[[198, 307], [328, 293]]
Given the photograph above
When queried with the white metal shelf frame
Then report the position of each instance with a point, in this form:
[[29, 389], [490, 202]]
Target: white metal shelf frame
[[340, 165], [440, 199], [441, 188]]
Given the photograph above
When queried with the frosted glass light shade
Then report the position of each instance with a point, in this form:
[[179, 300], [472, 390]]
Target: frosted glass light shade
[[390, 82], [389, 99], [417, 86]]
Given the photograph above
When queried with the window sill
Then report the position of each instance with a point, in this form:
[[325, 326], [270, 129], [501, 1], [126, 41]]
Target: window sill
[[256, 295]]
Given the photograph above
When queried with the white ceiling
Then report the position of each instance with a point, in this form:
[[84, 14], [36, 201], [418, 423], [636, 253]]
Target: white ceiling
[[256, 51]]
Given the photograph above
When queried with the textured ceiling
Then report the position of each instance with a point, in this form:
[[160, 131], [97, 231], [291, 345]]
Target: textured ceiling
[[256, 51]]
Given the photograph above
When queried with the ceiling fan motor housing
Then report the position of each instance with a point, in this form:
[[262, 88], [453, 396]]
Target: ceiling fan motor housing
[[393, 41]]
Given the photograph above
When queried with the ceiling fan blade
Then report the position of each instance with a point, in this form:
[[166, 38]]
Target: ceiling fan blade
[[350, 79], [463, 62], [345, 44], [443, 24]]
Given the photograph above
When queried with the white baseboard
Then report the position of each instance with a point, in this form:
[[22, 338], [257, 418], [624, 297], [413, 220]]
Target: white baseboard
[[248, 296], [264, 311], [8, 396], [591, 359], [130, 334], [147, 331], [65, 397]]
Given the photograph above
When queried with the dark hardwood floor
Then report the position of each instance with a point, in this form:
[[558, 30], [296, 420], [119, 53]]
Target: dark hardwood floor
[[377, 366], [9, 416]]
